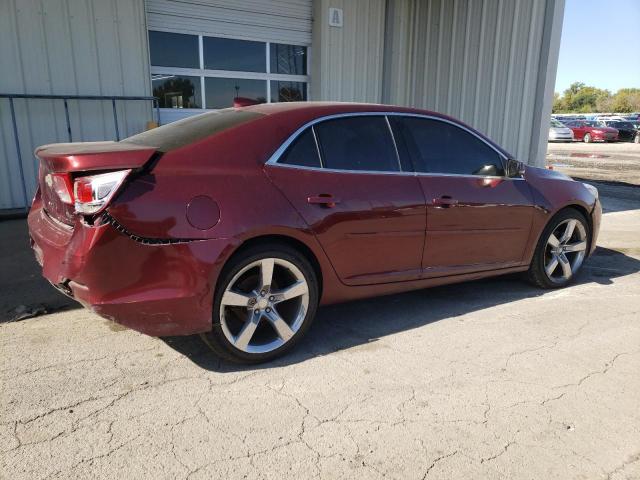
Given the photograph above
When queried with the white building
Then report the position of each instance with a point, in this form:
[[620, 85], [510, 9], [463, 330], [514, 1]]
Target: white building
[[490, 63]]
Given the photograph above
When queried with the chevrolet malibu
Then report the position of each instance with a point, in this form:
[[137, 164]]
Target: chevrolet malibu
[[238, 224]]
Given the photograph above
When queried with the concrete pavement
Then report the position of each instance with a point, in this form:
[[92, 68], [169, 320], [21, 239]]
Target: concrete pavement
[[490, 379]]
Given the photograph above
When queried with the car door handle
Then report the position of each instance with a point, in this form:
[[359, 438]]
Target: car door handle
[[445, 202], [324, 199]]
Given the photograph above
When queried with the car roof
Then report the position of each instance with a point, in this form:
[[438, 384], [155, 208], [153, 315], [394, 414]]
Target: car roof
[[319, 109], [301, 113]]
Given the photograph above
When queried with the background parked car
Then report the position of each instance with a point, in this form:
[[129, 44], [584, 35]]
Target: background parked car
[[569, 118], [627, 131], [589, 131], [558, 132]]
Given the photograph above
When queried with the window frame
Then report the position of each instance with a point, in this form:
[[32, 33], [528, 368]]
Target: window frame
[[273, 160], [202, 72]]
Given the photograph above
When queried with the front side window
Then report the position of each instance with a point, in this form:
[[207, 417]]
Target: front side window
[[225, 71], [440, 147], [357, 143]]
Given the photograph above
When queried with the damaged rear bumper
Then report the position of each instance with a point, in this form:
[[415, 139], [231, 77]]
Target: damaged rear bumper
[[157, 288]]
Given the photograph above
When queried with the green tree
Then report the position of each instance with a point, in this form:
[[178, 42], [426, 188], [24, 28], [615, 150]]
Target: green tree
[[558, 104], [626, 100], [582, 98]]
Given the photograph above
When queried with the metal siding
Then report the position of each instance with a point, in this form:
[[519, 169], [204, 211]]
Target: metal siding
[[347, 61], [486, 62], [75, 47], [282, 21]]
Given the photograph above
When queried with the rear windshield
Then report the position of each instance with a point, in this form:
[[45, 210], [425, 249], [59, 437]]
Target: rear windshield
[[190, 130]]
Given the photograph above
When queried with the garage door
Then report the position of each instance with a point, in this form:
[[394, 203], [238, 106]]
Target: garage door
[[280, 21]]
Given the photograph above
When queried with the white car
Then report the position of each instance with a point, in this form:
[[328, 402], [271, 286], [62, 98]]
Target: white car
[[558, 132]]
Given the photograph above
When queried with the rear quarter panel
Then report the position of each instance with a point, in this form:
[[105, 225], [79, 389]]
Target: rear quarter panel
[[229, 169]]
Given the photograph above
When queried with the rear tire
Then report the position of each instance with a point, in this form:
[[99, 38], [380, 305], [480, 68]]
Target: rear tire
[[265, 301], [561, 250], [636, 139], [586, 138]]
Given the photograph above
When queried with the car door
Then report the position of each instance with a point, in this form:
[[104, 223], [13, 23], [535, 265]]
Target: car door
[[579, 129], [477, 219], [343, 176]]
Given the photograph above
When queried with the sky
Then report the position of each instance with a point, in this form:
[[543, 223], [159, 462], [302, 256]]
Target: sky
[[600, 44]]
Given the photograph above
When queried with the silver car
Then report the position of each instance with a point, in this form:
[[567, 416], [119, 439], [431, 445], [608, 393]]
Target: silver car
[[559, 132]]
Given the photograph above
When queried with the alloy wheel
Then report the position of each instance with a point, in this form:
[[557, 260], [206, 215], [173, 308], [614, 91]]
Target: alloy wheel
[[565, 250], [587, 138], [264, 305]]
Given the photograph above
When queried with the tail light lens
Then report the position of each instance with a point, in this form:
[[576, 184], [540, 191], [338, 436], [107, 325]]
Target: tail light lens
[[93, 193]]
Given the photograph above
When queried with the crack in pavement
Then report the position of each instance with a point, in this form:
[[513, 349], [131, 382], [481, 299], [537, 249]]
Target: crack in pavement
[[436, 461]]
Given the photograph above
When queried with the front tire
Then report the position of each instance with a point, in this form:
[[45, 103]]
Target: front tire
[[561, 250], [636, 139], [265, 301], [586, 138]]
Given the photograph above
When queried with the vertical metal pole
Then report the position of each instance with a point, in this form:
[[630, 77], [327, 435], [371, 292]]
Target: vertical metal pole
[[17, 142], [115, 118], [157, 104], [66, 114]]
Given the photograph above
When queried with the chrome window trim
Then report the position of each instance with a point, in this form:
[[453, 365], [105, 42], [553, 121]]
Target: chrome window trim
[[273, 159], [395, 145], [315, 140]]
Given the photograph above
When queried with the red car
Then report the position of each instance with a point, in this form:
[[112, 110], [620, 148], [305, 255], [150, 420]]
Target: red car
[[237, 224], [590, 131]]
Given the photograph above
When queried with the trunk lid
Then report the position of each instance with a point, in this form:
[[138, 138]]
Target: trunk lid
[[61, 163]]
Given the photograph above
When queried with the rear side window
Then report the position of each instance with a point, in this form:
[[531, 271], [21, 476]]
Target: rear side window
[[302, 151], [440, 147], [190, 130], [357, 143]]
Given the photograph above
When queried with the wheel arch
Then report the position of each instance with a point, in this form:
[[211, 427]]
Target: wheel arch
[[295, 243], [571, 206]]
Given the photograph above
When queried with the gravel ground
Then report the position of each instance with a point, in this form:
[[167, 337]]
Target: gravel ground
[[490, 379], [612, 162]]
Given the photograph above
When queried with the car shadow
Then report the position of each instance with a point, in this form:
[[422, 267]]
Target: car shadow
[[24, 292], [343, 326]]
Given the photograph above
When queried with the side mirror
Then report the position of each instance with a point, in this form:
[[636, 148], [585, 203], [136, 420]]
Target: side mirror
[[515, 169]]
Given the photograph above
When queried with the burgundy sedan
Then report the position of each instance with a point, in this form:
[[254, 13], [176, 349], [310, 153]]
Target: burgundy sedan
[[237, 224], [590, 131]]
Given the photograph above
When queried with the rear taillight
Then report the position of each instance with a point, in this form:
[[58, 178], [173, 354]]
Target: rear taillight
[[92, 193]]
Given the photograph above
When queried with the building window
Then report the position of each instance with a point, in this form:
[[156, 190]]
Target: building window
[[220, 92], [174, 50], [288, 91], [177, 91], [196, 71], [288, 59], [234, 55]]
